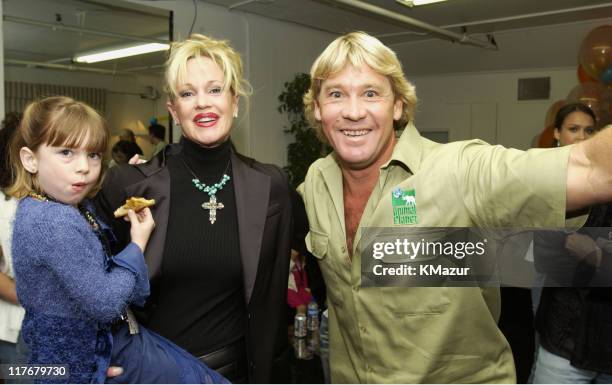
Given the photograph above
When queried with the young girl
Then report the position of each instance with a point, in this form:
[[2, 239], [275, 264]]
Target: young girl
[[74, 291]]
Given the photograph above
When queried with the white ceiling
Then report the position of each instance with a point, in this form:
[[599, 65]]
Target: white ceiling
[[45, 44], [471, 16], [475, 18]]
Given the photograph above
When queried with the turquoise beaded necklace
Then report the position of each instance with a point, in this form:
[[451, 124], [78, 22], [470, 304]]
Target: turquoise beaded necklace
[[212, 205]]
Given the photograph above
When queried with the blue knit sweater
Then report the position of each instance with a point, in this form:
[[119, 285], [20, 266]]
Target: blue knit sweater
[[70, 289]]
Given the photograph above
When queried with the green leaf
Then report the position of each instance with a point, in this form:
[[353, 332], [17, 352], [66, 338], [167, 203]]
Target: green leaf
[[306, 148]]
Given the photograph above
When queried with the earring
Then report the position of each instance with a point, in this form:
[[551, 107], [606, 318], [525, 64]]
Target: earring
[[235, 114]]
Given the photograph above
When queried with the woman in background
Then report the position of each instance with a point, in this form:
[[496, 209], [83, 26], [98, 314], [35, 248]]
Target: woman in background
[[573, 323], [11, 313]]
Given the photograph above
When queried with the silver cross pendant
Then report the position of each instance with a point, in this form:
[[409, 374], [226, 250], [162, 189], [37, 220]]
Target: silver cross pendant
[[212, 206]]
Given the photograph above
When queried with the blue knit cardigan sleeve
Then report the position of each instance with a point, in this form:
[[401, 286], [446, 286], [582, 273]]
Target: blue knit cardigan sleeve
[[58, 238]]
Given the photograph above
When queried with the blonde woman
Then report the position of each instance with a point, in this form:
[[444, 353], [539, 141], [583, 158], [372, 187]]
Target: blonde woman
[[219, 257]]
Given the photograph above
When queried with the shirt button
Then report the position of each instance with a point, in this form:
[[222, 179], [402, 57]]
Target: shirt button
[[355, 288], [362, 329]]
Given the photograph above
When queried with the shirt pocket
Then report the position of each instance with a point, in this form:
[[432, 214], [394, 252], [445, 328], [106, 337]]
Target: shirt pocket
[[317, 243], [403, 302]]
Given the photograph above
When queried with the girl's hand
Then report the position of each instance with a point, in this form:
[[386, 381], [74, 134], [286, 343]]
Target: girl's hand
[[142, 226], [114, 371]]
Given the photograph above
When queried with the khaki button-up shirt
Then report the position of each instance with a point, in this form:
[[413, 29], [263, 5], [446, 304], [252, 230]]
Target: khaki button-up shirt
[[422, 334]]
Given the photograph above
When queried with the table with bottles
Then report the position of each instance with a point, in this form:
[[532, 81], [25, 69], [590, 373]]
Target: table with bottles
[[306, 365]]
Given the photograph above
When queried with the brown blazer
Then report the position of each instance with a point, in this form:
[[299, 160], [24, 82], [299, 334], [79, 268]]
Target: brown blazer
[[264, 231]]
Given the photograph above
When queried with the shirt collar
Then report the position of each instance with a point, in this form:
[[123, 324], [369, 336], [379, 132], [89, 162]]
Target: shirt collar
[[408, 149]]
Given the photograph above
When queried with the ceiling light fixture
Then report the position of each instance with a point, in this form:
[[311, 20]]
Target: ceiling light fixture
[[116, 53], [415, 3]]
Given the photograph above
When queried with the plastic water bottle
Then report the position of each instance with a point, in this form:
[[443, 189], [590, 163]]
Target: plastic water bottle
[[312, 322]]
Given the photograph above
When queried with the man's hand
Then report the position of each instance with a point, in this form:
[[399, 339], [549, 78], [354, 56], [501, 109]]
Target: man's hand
[[589, 171]]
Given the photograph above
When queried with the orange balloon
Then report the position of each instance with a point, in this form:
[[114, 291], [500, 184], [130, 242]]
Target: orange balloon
[[595, 53], [583, 77], [595, 96]]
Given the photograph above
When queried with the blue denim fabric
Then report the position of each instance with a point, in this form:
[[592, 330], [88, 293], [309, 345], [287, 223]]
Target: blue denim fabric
[[148, 358], [8, 355]]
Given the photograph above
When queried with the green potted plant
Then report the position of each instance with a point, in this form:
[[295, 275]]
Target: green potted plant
[[306, 148]]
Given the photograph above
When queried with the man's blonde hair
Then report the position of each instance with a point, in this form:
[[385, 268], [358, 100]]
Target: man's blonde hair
[[218, 51], [55, 121], [356, 49]]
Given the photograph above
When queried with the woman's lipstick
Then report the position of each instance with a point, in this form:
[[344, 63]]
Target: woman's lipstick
[[207, 119]]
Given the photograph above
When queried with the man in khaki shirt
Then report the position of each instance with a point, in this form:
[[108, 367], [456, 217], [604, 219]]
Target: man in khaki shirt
[[357, 97]]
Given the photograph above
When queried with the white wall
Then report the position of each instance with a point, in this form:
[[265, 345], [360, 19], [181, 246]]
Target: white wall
[[459, 93], [272, 51], [553, 46], [278, 52], [484, 105]]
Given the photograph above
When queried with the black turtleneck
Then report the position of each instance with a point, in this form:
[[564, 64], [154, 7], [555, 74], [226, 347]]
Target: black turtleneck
[[201, 304]]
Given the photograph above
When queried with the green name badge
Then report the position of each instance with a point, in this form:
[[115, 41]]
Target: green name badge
[[404, 206]]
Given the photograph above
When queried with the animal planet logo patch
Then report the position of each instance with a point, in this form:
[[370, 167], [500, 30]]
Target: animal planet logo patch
[[404, 207]]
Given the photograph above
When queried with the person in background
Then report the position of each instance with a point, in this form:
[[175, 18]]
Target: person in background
[[219, 257], [157, 136], [128, 135], [572, 320], [11, 312], [298, 292], [123, 151]]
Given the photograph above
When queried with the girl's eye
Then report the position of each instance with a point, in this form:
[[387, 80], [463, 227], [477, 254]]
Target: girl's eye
[[370, 93], [216, 90], [185, 94], [335, 94], [95, 155], [589, 131], [65, 152]]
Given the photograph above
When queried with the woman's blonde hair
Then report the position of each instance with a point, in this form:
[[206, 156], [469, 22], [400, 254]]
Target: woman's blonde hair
[[356, 49], [218, 51], [55, 121]]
